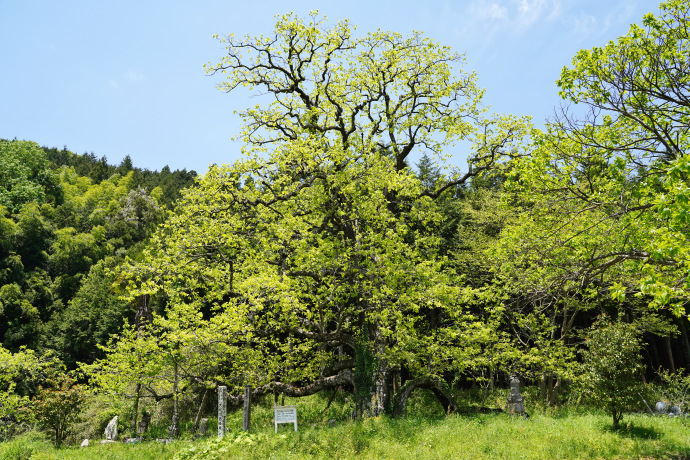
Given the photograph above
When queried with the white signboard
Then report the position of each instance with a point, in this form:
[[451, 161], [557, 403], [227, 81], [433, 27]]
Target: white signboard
[[284, 414]]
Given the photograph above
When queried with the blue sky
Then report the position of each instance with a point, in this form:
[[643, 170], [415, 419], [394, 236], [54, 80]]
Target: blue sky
[[126, 77]]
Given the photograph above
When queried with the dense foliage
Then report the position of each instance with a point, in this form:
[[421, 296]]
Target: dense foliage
[[98, 170], [342, 254], [61, 236], [612, 367], [314, 263]]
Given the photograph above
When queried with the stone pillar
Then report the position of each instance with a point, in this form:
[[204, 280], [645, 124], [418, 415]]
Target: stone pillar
[[203, 426], [515, 400], [174, 428], [222, 409], [144, 423], [246, 418]]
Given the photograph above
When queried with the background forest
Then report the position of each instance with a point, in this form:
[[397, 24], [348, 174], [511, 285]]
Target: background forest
[[66, 220], [344, 256]]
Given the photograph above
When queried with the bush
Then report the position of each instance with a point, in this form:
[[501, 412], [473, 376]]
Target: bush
[[611, 368], [23, 447], [676, 391], [58, 407]]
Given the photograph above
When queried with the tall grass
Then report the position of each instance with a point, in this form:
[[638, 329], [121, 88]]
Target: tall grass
[[425, 433]]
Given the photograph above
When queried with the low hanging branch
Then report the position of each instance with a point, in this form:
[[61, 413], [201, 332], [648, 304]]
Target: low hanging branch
[[343, 378]]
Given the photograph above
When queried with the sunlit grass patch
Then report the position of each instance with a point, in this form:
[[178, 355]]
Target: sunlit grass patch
[[425, 433]]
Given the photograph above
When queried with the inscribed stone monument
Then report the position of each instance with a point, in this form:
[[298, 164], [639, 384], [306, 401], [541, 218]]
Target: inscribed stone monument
[[222, 409], [203, 426], [515, 399], [111, 430]]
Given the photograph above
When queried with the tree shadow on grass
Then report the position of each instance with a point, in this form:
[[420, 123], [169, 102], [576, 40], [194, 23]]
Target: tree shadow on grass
[[668, 448], [635, 432]]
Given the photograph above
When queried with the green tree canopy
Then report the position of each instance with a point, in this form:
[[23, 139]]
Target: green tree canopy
[[316, 253], [25, 175], [603, 191], [612, 368]]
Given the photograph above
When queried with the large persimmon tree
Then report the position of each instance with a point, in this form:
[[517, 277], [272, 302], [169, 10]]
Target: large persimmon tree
[[316, 252]]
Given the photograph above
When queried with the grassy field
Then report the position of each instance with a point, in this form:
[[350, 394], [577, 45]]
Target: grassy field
[[424, 434]]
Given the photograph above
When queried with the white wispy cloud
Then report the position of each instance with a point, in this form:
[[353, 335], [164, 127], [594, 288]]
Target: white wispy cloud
[[133, 76], [488, 17], [598, 21], [130, 77], [583, 24], [530, 12]]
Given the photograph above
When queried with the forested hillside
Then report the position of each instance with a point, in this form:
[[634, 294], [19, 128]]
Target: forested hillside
[[67, 221], [343, 254]]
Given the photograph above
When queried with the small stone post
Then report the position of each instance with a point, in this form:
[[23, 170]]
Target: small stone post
[[515, 401], [203, 426], [222, 409], [174, 428], [144, 423], [246, 419]]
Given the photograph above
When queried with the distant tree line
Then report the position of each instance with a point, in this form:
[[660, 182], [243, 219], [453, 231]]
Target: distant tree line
[[66, 222], [98, 169]]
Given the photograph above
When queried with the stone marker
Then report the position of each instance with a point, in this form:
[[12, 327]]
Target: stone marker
[[84, 443], [222, 409], [515, 400], [174, 428], [203, 426], [143, 424], [111, 430]]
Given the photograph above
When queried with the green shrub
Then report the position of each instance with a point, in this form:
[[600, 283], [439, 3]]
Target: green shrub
[[58, 407], [611, 368], [676, 390], [23, 447]]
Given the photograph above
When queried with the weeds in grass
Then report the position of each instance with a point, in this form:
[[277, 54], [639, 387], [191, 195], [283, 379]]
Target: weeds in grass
[[425, 433]]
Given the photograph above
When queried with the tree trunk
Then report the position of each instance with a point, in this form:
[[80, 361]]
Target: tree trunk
[[553, 392], [616, 419], [200, 411], [174, 429], [437, 386], [656, 361], [247, 412], [142, 316], [669, 354], [175, 391], [330, 399], [373, 389], [548, 389], [542, 388], [136, 410], [372, 381], [685, 344]]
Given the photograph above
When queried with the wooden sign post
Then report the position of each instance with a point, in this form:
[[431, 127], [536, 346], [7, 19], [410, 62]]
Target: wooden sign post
[[247, 415], [284, 414]]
